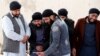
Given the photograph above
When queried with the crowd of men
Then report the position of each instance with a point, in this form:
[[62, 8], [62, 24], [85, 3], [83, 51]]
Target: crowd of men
[[50, 34]]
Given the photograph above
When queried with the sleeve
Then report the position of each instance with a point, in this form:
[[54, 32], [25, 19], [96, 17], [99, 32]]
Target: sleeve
[[75, 37], [8, 29], [28, 32], [55, 32]]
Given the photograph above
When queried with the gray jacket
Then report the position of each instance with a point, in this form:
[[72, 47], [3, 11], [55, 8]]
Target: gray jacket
[[60, 40]]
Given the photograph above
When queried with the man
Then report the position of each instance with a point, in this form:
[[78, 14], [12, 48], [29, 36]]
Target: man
[[47, 22], [59, 45], [48, 15], [16, 32], [86, 41], [63, 14], [38, 35]]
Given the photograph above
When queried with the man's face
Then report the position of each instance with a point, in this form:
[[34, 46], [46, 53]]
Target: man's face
[[37, 22], [52, 17], [46, 19], [93, 17], [16, 12], [62, 17]]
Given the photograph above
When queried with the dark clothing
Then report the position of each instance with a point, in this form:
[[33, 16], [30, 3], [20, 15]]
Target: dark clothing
[[89, 45], [33, 54], [80, 36], [47, 30], [39, 34], [70, 24], [34, 39], [89, 38], [88, 51]]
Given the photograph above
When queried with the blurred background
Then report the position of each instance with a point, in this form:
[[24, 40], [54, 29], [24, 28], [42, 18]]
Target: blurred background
[[76, 8]]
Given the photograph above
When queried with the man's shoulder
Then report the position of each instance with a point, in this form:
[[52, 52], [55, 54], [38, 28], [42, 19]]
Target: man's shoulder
[[70, 20], [98, 21], [81, 19], [31, 24], [21, 15], [5, 18], [5, 15], [57, 22]]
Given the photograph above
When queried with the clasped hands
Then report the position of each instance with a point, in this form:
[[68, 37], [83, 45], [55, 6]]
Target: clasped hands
[[25, 39]]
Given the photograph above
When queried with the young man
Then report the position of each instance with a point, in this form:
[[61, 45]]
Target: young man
[[38, 34], [16, 32], [63, 14], [48, 15], [86, 41], [47, 22], [59, 39]]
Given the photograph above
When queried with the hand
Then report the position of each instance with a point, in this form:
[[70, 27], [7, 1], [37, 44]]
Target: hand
[[40, 53], [74, 52], [27, 51], [25, 39]]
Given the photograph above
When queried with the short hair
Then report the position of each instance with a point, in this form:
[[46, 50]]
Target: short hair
[[47, 13], [63, 12], [15, 5]]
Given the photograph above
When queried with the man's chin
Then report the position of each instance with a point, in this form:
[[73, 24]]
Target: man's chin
[[92, 20], [38, 25], [16, 15]]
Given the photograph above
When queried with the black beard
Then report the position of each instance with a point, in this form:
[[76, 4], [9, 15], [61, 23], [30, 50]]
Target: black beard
[[46, 24], [39, 27], [16, 16]]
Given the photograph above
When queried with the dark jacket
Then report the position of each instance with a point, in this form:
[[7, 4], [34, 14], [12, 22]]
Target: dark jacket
[[32, 39], [70, 24], [79, 35]]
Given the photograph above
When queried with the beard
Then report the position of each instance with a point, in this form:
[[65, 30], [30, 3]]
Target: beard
[[16, 15], [38, 26], [90, 20]]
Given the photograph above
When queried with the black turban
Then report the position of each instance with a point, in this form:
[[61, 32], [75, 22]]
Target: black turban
[[94, 10], [47, 13], [37, 16]]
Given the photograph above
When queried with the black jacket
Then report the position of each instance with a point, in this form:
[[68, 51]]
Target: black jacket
[[70, 24], [32, 39]]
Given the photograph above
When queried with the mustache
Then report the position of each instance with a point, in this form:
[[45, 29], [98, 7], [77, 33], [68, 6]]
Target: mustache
[[17, 15]]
